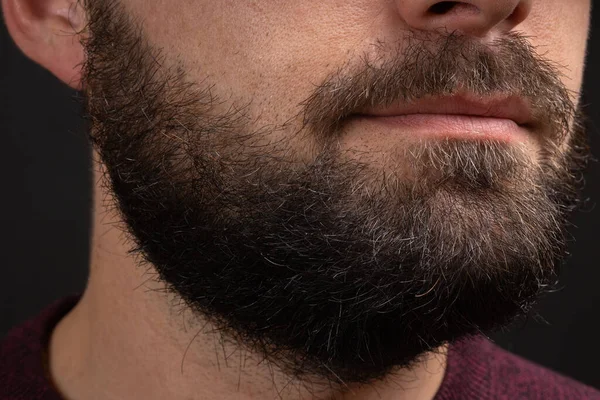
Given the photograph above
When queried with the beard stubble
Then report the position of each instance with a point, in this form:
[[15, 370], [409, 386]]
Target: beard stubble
[[335, 269]]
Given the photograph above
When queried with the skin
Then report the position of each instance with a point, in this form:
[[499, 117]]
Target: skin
[[270, 53]]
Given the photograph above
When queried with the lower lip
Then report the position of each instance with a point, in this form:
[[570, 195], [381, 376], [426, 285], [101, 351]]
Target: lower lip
[[452, 126]]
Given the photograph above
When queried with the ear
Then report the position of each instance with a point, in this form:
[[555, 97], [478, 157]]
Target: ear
[[49, 32]]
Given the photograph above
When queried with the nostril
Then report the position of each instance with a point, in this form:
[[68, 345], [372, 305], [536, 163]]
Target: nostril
[[442, 7]]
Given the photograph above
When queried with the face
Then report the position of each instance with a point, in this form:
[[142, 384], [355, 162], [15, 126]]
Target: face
[[291, 169]]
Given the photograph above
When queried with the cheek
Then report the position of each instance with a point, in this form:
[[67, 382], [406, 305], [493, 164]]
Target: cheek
[[260, 47], [559, 30], [269, 54]]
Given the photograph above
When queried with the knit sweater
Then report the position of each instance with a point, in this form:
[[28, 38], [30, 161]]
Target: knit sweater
[[477, 369]]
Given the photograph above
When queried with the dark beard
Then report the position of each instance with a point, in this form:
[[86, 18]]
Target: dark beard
[[334, 268]]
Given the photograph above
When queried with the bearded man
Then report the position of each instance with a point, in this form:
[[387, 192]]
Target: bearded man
[[310, 199]]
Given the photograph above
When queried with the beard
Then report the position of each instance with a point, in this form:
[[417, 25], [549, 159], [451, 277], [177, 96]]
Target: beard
[[332, 268]]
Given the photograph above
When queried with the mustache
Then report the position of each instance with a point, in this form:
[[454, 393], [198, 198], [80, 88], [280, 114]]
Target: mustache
[[437, 64]]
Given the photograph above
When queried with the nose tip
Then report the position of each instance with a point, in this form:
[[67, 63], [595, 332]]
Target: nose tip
[[470, 17]]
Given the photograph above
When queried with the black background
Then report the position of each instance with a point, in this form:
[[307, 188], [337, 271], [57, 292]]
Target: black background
[[45, 202]]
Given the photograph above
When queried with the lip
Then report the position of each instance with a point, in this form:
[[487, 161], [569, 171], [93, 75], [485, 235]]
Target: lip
[[506, 107], [452, 125]]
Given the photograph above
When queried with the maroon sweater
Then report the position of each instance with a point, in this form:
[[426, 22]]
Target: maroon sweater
[[477, 368]]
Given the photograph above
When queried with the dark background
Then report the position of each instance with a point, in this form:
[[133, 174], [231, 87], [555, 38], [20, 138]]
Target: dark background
[[45, 202]]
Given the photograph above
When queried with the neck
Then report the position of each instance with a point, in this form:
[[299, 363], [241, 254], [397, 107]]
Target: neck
[[128, 337]]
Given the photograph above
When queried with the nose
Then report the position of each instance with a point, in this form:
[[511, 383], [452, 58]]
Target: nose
[[470, 17]]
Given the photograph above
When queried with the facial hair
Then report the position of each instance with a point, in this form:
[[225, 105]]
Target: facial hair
[[334, 268]]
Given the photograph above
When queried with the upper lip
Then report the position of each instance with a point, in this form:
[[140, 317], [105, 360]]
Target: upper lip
[[510, 107]]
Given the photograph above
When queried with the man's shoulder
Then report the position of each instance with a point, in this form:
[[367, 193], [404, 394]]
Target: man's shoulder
[[23, 355], [487, 371]]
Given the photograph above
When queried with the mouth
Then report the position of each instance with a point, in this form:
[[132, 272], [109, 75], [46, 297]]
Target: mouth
[[505, 118]]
